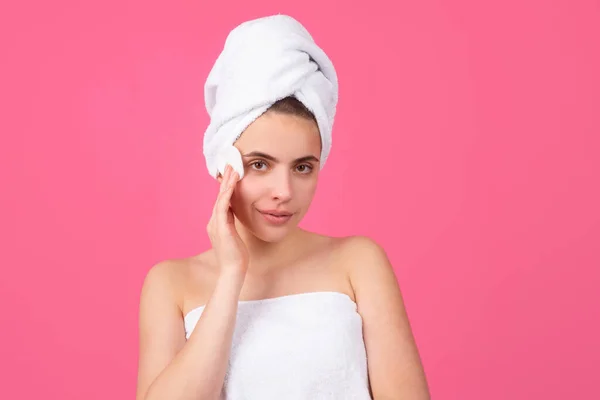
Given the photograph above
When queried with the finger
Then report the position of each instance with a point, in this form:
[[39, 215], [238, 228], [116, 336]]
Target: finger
[[235, 176], [230, 175], [221, 213], [224, 198], [224, 179], [224, 202], [230, 218], [222, 187]]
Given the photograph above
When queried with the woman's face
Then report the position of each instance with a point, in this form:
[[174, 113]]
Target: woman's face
[[281, 155]]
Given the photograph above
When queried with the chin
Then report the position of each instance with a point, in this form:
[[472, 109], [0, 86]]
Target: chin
[[270, 237], [272, 234]]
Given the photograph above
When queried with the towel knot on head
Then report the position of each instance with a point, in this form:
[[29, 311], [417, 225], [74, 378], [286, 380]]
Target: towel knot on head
[[263, 61]]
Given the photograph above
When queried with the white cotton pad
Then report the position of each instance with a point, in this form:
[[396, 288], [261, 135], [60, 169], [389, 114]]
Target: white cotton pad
[[230, 155]]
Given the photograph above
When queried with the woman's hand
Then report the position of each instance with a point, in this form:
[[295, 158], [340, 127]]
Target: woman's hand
[[230, 250]]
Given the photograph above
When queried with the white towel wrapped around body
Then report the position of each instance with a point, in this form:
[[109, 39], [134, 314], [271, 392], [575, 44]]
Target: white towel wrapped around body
[[306, 346], [263, 61]]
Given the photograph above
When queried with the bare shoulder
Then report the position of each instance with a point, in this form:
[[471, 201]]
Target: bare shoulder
[[362, 246], [362, 252], [168, 280], [359, 259], [164, 273], [164, 276], [367, 264]]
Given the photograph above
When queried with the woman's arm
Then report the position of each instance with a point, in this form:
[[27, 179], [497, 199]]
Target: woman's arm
[[395, 368], [171, 368]]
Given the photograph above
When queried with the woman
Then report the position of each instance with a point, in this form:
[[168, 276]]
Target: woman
[[273, 311]]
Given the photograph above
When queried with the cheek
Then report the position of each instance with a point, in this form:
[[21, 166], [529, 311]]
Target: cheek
[[245, 193], [305, 190]]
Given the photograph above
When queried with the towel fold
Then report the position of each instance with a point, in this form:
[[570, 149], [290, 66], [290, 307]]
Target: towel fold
[[263, 61]]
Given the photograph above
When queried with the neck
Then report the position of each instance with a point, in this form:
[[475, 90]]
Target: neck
[[266, 256]]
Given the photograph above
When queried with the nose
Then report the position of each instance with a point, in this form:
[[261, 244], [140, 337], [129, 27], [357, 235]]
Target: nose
[[281, 185]]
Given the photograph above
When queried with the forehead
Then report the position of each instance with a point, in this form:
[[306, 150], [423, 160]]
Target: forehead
[[277, 133]]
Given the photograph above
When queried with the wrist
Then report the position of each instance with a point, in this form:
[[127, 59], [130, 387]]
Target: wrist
[[232, 273]]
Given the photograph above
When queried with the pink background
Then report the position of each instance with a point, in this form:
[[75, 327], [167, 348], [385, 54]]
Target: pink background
[[467, 144]]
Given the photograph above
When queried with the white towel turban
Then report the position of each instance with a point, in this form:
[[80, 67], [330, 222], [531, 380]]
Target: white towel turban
[[263, 61]]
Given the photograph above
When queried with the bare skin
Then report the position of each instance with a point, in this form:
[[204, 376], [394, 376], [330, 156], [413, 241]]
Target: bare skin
[[251, 260], [314, 269]]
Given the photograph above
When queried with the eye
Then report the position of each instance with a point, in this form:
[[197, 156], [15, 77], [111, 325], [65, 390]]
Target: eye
[[257, 164], [304, 168]]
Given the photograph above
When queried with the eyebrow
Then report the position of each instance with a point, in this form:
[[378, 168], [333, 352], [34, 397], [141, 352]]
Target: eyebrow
[[271, 158]]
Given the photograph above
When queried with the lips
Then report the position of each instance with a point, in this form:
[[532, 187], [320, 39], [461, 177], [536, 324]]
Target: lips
[[276, 213], [276, 217]]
